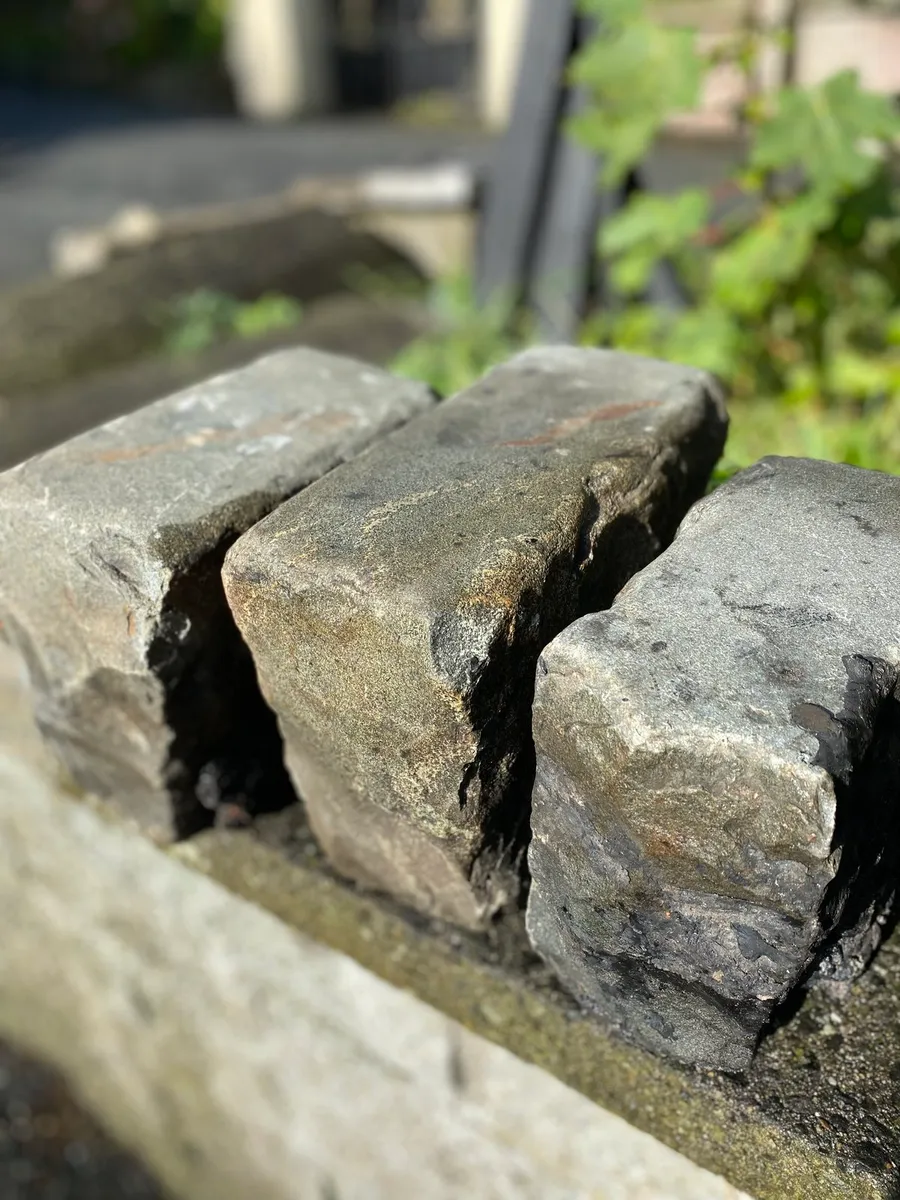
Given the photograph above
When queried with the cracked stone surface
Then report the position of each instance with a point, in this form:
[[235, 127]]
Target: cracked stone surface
[[110, 582], [396, 609], [715, 812]]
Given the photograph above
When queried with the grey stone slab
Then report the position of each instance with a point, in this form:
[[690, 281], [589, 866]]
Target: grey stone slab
[[716, 813], [397, 608], [110, 580]]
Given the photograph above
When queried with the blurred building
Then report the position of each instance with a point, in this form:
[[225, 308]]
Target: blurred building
[[293, 56], [290, 57]]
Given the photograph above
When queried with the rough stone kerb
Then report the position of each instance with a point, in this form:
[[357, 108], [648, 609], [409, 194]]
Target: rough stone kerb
[[110, 578], [396, 609], [716, 813]]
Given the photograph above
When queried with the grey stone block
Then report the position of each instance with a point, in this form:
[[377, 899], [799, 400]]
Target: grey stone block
[[715, 812], [397, 608], [110, 577]]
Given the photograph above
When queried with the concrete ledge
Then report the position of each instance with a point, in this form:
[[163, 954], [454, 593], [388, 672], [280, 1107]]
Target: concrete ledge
[[816, 1117], [240, 1059]]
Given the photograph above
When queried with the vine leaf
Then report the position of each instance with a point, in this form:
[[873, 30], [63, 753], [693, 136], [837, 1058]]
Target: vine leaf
[[828, 132], [638, 73], [775, 249], [648, 229]]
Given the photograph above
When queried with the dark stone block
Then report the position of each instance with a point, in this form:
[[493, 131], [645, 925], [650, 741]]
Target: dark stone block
[[397, 608], [716, 814]]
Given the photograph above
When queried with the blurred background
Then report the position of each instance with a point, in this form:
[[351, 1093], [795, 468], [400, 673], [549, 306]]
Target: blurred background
[[185, 183], [433, 184]]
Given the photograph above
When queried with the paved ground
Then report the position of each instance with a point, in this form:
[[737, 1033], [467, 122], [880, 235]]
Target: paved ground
[[74, 160]]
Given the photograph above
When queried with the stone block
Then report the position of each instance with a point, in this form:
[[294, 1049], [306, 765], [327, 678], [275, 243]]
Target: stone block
[[715, 813], [397, 608], [110, 582]]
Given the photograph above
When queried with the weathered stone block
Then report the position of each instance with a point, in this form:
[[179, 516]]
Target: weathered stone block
[[716, 811], [110, 581], [396, 609]]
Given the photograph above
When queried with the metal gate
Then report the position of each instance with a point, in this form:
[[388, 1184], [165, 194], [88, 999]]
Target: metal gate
[[388, 50]]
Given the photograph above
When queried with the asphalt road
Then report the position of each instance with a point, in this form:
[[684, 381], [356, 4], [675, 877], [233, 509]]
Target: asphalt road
[[70, 160]]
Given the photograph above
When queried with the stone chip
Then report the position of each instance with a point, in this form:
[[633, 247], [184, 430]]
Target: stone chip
[[396, 609], [715, 815], [110, 577]]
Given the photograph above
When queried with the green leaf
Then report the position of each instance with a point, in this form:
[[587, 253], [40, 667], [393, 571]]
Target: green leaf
[[706, 337], [863, 376], [663, 222], [827, 131], [648, 229], [638, 73], [268, 313], [747, 273]]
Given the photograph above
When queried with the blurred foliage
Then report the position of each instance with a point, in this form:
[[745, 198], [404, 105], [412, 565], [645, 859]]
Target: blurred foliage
[[790, 269], [37, 35], [466, 344], [206, 317], [467, 340]]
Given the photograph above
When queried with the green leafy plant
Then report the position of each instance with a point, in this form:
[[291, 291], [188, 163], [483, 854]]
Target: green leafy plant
[[123, 34], [154, 31], [791, 270], [467, 339], [206, 317]]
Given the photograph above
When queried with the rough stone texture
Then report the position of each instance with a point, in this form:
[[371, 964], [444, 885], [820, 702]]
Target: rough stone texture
[[715, 812], [242, 1060], [396, 610], [110, 577]]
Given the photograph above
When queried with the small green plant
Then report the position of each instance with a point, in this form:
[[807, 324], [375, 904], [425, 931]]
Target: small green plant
[[467, 339], [792, 268], [206, 317]]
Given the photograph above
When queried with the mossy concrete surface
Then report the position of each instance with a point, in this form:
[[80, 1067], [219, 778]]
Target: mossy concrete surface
[[816, 1118], [242, 1059]]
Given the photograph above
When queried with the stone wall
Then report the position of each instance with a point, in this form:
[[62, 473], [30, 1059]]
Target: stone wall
[[660, 873]]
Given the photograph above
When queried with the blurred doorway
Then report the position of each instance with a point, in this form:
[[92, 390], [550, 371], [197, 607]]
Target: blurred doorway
[[389, 51]]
